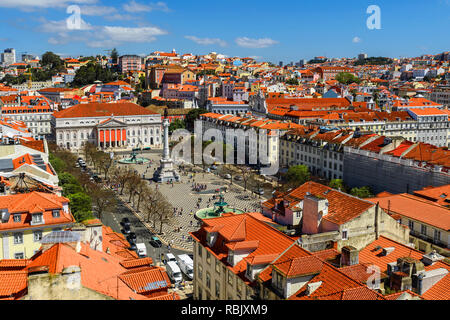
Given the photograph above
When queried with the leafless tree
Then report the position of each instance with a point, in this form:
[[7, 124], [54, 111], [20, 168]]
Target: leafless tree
[[245, 173], [131, 185], [103, 199], [105, 163], [121, 176]]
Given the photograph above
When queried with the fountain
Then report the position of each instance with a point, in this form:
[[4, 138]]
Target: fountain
[[220, 207], [133, 159]]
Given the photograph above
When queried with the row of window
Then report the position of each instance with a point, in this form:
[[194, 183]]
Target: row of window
[[423, 230], [18, 237]]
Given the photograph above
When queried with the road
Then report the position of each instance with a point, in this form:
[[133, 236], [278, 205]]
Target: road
[[113, 219]]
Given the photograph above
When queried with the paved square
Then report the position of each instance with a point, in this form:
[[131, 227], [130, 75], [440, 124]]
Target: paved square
[[182, 197]]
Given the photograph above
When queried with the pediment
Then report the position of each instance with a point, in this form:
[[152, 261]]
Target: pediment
[[111, 123]]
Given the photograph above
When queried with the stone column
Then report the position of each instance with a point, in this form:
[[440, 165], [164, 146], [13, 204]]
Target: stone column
[[166, 152]]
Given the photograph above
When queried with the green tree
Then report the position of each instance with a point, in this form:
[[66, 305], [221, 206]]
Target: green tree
[[337, 184], [57, 164], [81, 206], [114, 55], [347, 78], [177, 124], [292, 81], [52, 61], [67, 178], [92, 72], [363, 192], [193, 115], [297, 175], [71, 188]]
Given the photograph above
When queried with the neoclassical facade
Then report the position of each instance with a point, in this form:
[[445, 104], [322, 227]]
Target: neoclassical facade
[[108, 126]]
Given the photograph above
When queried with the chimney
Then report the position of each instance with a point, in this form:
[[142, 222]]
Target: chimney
[[349, 256], [311, 287], [387, 251], [432, 257]]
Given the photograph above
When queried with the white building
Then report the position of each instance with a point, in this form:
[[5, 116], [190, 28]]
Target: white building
[[107, 125]]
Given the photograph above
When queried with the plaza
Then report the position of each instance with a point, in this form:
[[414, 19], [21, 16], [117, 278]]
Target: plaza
[[186, 201]]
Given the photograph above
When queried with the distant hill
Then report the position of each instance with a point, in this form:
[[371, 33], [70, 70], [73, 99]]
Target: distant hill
[[374, 61]]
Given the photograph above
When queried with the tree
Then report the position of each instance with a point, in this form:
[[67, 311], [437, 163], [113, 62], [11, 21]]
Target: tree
[[337, 184], [57, 164], [292, 81], [228, 169], [66, 178], [363, 192], [105, 163], [347, 78], [103, 199], [51, 61], [141, 191], [121, 176], [114, 55], [131, 184], [92, 72], [71, 188], [297, 175], [176, 124], [245, 173], [193, 115], [81, 206]]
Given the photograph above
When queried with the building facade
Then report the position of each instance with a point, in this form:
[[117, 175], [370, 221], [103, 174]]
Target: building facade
[[108, 126]]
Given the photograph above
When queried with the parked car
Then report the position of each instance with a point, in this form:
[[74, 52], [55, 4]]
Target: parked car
[[126, 222], [141, 250], [132, 247], [227, 176], [131, 238], [169, 257], [155, 242], [238, 178], [126, 229], [260, 191], [213, 167]]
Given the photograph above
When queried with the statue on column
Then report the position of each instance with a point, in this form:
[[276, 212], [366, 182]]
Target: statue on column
[[166, 171]]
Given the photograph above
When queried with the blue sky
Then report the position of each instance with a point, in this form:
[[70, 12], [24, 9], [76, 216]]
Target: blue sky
[[267, 30]]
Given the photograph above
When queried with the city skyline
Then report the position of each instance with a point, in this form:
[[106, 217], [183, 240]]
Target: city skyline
[[297, 30]]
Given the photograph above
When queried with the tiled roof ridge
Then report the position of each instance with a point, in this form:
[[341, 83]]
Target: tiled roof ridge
[[420, 199]]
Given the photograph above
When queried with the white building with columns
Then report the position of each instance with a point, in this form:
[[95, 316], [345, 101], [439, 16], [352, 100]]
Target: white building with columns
[[107, 125]]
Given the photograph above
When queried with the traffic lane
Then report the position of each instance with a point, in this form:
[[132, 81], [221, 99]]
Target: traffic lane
[[143, 234]]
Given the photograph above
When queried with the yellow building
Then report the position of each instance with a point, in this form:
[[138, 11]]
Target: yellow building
[[27, 218]]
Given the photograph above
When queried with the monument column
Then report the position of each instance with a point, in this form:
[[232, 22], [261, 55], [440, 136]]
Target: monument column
[[166, 153]]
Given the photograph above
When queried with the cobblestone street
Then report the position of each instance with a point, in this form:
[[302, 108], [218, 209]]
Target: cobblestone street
[[182, 197]]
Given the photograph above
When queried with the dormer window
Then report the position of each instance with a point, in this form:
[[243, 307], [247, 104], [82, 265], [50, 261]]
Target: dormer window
[[37, 218], [55, 213], [17, 218]]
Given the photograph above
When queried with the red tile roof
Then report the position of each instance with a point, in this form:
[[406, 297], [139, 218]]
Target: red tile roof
[[13, 283], [416, 208], [103, 110]]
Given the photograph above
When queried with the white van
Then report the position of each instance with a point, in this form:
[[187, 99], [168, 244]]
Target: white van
[[186, 265], [169, 257], [141, 250], [174, 272]]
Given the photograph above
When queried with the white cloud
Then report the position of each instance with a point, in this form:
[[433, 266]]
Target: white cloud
[[124, 34], [61, 26], [135, 7], [255, 43], [23, 4], [207, 41], [97, 10], [120, 17], [356, 40]]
